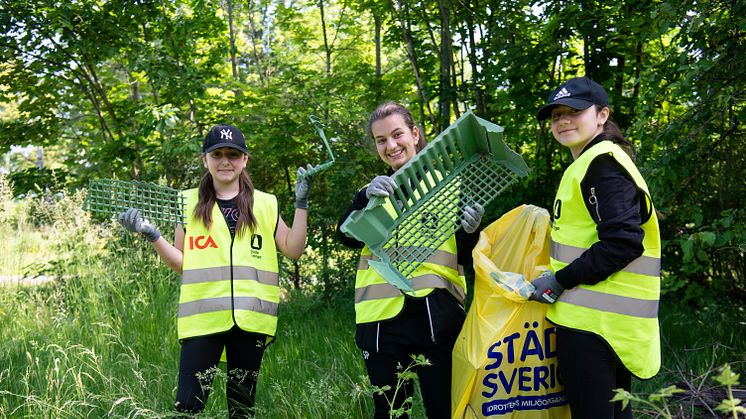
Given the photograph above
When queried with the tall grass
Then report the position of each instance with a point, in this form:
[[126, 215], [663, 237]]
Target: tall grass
[[100, 339]]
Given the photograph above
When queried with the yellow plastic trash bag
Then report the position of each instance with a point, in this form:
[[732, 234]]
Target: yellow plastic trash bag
[[504, 361]]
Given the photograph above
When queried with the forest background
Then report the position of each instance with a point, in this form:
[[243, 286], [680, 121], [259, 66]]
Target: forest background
[[127, 90]]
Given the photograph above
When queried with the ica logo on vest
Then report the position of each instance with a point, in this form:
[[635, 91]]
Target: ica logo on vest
[[201, 242]]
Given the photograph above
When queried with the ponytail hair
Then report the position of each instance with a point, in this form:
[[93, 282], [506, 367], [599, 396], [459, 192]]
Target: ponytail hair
[[244, 203], [613, 133], [389, 108]]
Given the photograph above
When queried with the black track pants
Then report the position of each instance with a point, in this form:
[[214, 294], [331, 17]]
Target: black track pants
[[590, 371], [434, 380], [199, 361]]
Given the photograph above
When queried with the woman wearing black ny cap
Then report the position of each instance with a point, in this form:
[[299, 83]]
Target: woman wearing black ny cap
[[227, 257], [605, 257]]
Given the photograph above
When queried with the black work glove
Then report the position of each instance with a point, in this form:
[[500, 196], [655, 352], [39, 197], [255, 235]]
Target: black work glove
[[547, 290]]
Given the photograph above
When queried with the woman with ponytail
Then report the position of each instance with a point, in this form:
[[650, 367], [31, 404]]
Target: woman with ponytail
[[604, 286], [393, 325], [227, 257]]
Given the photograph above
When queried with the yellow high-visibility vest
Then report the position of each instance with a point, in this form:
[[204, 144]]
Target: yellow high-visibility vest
[[623, 308], [376, 299], [229, 281]]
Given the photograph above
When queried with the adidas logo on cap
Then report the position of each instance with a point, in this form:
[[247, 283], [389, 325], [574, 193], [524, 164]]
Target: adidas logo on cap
[[562, 93], [578, 93]]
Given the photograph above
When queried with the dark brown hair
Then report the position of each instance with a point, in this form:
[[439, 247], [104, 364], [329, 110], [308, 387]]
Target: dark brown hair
[[613, 133], [244, 203], [389, 108]]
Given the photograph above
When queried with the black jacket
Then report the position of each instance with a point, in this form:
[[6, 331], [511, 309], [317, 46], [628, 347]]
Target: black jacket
[[617, 210], [423, 322]]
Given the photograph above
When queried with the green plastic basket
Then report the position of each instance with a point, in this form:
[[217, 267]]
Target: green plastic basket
[[158, 204], [472, 166]]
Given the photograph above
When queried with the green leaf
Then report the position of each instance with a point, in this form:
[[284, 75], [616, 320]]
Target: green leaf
[[665, 393], [624, 396], [727, 377], [686, 246]]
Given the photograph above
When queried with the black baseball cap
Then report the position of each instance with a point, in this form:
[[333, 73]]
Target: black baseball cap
[[578, 93], [224, 135]]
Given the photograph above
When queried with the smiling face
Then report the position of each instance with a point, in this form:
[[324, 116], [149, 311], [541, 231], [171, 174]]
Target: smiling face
[[395, 141], [225, 164], [575, 128]]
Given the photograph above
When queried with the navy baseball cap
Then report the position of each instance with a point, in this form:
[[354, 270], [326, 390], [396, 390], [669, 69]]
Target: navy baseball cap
[[224, 135], [578, 93]]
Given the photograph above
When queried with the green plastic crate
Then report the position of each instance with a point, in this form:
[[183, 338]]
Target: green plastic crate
[[161, 205], [473, 165]]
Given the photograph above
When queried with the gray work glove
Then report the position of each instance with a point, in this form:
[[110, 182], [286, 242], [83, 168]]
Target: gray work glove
[[547, 290], [303, 187], [133, 221], [472, 218], [382, 186]]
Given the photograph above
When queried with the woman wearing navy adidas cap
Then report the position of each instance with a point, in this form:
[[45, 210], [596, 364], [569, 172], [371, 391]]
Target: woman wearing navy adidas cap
[[604, 286], [227, 257]]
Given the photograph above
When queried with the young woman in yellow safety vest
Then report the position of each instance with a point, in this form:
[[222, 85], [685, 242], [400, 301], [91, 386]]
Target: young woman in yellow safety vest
[[605, 257], [227, 257], [393, 325]]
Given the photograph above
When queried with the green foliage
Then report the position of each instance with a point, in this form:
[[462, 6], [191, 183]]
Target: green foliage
[[39, 182], [128, 90], [404, 376], [6, 199], [658, 402], [99, 339], [690, 125], [711, 257], [730, 405]]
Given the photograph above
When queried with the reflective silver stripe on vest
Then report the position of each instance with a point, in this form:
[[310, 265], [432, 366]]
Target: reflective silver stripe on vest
[[440, 257], [611, 303], [378, 291], [253, 274], [644, 265], [209, 305], [195, 276]]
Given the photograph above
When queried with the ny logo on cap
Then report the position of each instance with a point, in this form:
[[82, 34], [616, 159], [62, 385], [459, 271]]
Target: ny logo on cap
[[562, 93], [226, 133]]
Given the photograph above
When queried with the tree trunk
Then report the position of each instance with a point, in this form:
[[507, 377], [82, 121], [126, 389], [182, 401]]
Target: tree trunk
[[253, 32], [454, 80], [412, 56], [377, 39], [232, 38], [179, 67], [327, 49], [472, 54], [446, 56], [637, 71]]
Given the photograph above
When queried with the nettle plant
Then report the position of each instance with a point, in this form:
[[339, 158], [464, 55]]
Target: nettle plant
[[403, 377]]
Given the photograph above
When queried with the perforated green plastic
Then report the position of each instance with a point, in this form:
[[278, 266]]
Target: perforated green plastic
[[160, 205], [327, 164], [466, 164]]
